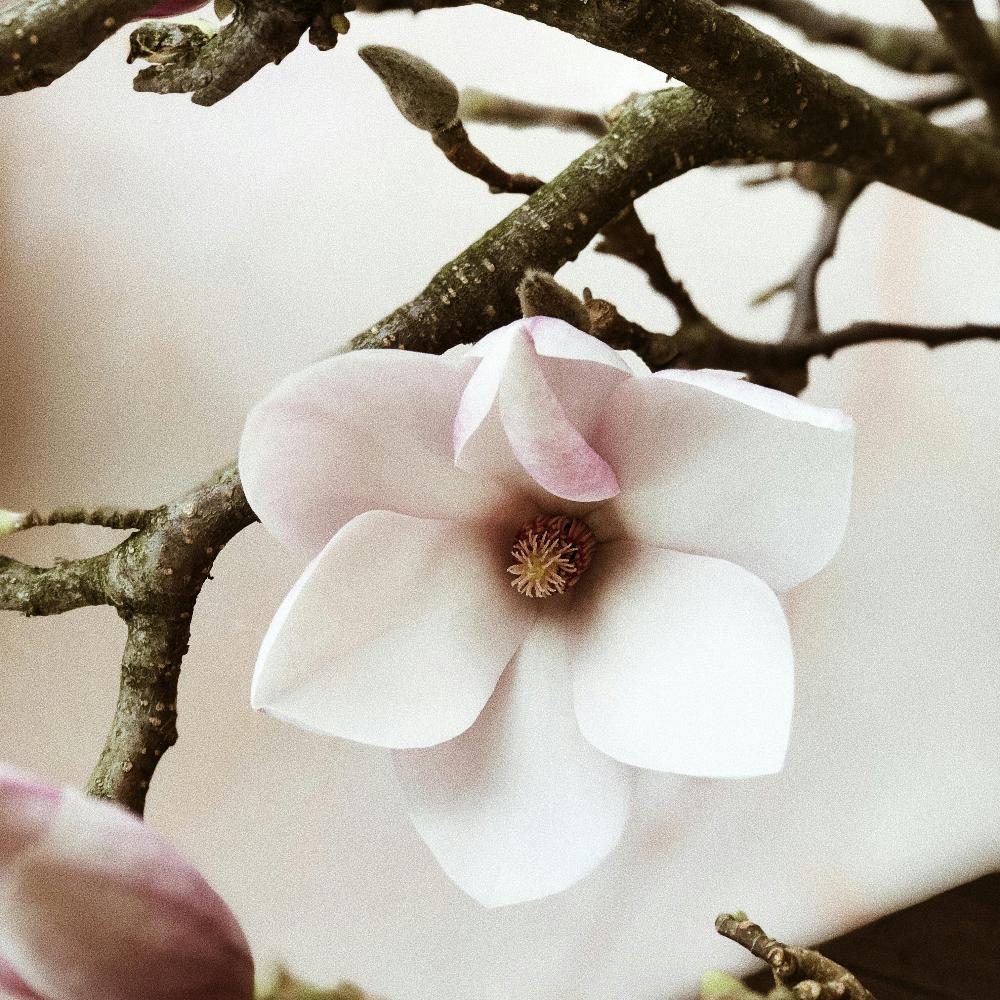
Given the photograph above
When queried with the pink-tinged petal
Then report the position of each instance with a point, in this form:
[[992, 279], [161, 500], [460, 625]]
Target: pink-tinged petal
[[97, 905], [12, 983], [172, 8], [370, 430], [714, 465], [396, 633], [542, 437], [26, 809], [681, 663], [635, 364], [520, 806], [553, 338]]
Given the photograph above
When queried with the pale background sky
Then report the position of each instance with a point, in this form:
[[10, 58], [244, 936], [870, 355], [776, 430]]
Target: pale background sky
[[163, 265]]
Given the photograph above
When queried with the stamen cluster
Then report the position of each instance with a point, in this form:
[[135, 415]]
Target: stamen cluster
[[550, 554]]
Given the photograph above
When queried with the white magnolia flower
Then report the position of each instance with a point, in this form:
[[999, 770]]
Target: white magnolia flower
[[539, 566]]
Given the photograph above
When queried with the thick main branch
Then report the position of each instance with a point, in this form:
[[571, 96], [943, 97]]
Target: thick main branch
[[787, 108], [661, 136]]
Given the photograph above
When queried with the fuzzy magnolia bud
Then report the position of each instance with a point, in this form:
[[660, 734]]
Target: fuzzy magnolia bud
[[541, 295], [425, 97]]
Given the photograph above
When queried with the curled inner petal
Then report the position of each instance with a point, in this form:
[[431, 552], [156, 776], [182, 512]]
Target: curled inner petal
[[550, 555]]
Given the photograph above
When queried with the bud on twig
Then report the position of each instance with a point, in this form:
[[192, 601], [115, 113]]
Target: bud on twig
[[541, 295], [425, 97]]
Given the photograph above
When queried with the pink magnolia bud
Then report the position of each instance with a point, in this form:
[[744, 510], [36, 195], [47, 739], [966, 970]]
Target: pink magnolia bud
[[94, 904]]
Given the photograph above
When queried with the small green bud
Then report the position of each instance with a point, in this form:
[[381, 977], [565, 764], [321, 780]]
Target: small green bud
[[11, 521], [425, 97], [719, 986], [541, 295]]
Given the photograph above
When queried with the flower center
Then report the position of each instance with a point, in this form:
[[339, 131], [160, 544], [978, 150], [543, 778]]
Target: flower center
[[550, 555]]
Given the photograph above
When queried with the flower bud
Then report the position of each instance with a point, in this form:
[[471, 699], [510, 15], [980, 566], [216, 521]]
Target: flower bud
[[425, 96], [94, 904], [541, 295]]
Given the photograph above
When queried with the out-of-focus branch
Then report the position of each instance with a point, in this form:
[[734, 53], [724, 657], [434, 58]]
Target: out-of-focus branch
[[211, 67], [496, 109], [911, 50], [839, 192], [152, 579], [40, 40], [808, 974], [976, 54]]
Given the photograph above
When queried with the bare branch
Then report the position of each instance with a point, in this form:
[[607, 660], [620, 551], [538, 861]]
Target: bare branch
[[124, 519], [213, 66], [37, 590], [153, 579], [660, 136], [976, 54], [911, 50], [628, 238], [789, 109], [809, 974], [40, 40], [838, 197], [496, 109]]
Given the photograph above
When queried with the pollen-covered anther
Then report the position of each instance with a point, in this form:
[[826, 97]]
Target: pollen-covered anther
[[550, 554]]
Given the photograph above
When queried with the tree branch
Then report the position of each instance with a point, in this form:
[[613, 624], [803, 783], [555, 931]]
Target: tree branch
[[660, 136], [153, 579], [911, 50], [40, 40], [211, 67], [807, 972], [975, 53], [841, 192], [801, 112], [496, 109]]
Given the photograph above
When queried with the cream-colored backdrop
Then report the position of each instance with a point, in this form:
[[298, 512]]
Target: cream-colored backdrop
[[163, 265]]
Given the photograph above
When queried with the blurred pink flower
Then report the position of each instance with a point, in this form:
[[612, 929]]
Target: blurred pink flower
[[93, 904], [645, 522]]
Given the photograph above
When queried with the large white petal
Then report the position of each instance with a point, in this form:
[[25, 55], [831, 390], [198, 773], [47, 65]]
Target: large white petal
[[711, 464], [681, 663], [396, 633], [520, 806], [362, 431]]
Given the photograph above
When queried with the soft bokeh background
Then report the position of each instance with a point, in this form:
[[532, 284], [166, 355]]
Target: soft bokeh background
[[162, 266]]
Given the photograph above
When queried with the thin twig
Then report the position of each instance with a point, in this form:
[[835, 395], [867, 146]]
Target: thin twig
[[626, 237], [809, 974], [496, 109], [837, 201], [104, 517], [911, 50], [976, 54], [462, 153]]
